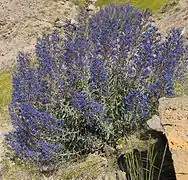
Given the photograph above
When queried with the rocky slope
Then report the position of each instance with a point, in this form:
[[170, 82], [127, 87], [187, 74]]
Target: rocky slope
[[21, 22], [174, 15]]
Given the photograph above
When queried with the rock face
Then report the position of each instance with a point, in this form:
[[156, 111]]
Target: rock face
[[174, 118]]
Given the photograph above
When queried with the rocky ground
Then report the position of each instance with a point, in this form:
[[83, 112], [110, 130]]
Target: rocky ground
[[173, 15], [21, 22]]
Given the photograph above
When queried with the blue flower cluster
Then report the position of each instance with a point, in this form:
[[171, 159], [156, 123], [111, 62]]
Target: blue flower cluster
[[92, 110], [101, 79], [35, 133]]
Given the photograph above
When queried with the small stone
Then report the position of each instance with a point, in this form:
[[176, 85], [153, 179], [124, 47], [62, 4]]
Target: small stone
[[91, 7], [155, 123]]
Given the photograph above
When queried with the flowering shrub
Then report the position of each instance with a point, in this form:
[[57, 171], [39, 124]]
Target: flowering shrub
[[100, 81]]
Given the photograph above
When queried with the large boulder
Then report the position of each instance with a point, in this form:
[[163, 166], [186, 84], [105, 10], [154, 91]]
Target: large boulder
[[173, 113]]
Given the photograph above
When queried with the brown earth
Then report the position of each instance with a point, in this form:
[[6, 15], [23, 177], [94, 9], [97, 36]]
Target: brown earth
[[174, 17], [21, 22]]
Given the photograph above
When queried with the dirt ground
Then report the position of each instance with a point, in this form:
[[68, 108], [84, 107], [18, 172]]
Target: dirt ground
[[21, 22], [176, 17]]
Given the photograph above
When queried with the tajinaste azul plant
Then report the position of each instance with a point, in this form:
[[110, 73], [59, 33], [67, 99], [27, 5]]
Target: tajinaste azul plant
[[100, 81]]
